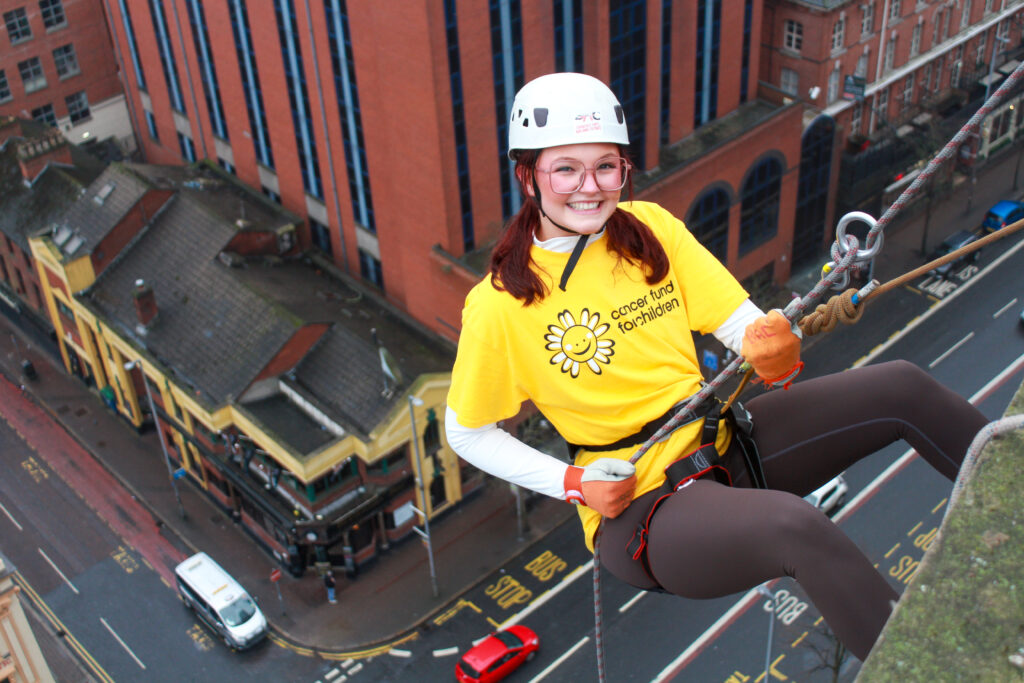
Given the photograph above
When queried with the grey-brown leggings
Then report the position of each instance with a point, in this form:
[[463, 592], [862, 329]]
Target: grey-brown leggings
[[710, 540]]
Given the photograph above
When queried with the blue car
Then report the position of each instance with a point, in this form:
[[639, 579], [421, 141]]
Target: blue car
[[1002, 214]]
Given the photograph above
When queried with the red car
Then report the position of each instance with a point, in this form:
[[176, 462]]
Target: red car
[[497, 655]]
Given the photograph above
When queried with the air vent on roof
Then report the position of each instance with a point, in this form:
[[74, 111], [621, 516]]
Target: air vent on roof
[[104, 192], [61, 233], [72, 246]]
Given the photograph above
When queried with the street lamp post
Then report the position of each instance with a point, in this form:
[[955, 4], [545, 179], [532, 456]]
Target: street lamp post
[[413, 401], [159, 434]]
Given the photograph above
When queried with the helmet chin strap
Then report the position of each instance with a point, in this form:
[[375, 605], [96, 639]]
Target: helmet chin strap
[[577, 250]]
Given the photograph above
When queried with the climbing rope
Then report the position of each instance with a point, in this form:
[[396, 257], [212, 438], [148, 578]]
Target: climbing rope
[[845, 257], [981, 439]]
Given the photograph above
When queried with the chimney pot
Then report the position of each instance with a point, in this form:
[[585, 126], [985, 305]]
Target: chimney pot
[[145, 303]]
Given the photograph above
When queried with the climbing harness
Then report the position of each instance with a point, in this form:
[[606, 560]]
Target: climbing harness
[[847, 256]]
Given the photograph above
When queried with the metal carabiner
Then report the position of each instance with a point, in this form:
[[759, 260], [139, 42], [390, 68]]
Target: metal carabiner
[[865, 254]]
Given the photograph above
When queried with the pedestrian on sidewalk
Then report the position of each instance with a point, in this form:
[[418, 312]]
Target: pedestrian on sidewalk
[[588, 312], [329, 585]]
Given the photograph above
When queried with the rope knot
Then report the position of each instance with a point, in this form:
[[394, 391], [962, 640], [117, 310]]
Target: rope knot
[[825, 317]]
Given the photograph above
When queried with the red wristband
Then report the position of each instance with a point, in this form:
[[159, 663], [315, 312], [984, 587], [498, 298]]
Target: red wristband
[[573, 484]]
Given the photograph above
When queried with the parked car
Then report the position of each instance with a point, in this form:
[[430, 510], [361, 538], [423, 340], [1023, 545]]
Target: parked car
[[1002, 214], [950, 244], [829, 497], [497, 655]]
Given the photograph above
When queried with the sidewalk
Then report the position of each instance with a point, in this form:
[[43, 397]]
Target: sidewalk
[[388, 600]]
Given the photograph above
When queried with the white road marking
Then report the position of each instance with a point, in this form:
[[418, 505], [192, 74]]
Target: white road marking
[[632, 601], [123, 644], [11, 517], [554, 665], [59, 572], [951, 349], [1003, 309], [446, 652]]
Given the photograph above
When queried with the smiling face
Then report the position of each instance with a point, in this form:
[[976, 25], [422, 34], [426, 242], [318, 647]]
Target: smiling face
[[587, 209]]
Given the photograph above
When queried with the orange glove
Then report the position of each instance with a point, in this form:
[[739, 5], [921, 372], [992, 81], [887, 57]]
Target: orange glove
[[605, 485], [772, 349]]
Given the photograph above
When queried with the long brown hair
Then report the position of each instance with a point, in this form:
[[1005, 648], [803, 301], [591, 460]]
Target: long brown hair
[[510, 266]]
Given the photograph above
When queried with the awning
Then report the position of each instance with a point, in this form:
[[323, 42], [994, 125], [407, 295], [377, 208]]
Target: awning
[[990, 79], [1009, 67]]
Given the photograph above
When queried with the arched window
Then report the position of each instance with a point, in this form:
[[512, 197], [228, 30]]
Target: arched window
[[759, 215], [708, 220]]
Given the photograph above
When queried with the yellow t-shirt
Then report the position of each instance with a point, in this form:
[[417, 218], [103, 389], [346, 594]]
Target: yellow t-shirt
[[603, 358]]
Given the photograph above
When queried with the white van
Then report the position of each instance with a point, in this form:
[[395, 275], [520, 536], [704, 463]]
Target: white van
[[220, 601]]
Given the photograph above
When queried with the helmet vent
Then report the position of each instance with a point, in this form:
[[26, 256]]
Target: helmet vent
[[618, 113], [540, 116]]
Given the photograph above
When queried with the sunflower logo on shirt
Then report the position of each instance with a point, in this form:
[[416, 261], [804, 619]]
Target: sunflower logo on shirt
[[579, 343]]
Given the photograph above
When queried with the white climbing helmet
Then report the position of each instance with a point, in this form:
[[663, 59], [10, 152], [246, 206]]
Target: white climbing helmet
[[565, 109]]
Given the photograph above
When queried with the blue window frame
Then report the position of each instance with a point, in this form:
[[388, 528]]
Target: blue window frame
[[207, 69], [568, 15], [188, 149], [321, 235], [133, 48], [343, 64], [151, 125], [507, 68], [709, 35], [370, 269], [666, 71], [629, 69], [759, 215], [298, 96], [451, 24], [748, 23], [708, 220], [163, 41], [251, 82]]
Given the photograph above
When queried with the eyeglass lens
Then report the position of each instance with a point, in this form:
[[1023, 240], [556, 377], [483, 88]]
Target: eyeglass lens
[[569, 175]]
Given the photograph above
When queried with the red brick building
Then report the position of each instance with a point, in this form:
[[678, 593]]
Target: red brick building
[[57, 66], [383, 124]]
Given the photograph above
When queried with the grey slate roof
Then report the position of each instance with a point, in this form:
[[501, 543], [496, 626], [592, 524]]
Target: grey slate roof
[[89, 221], [211, 333], [218, 326], [24, 211]]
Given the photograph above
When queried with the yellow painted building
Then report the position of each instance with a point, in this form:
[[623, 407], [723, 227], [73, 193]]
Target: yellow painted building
[[285, 391]]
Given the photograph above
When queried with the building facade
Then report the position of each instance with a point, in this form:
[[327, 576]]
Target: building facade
[[57, 66], [383, 124], [20, 656], [302, 404]]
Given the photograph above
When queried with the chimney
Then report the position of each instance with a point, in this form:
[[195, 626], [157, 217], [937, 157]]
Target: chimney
[[145, 303], [35, 155], [10, 127]]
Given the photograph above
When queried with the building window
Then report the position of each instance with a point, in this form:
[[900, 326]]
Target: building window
[[17, 25], [207, 70], [965, 15], [5, 88], [321, 236], [979, 55], [451, 24], [163, 43], [833, 85], [628, 66], [188, 149], [890, 52], [66, 61], [894, 10], [856, 116], [568, 16], [988, 6], [793, 38], [908, 93], [45, 114], [936, 27], [938, 75], [926, 79], [862, 65], [53, 13], [126, 19], [867, 20], [226, 165], [955, 68], [789, 82], [506, 23], [151, 125], [915, 40], [705, 95], [838, 34], [708, 220], [78, 106], [246, 53], [370, 269], [32, 74], [267, 192], [343, 64], [1003, 31], [882, 106], [759, 215]]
